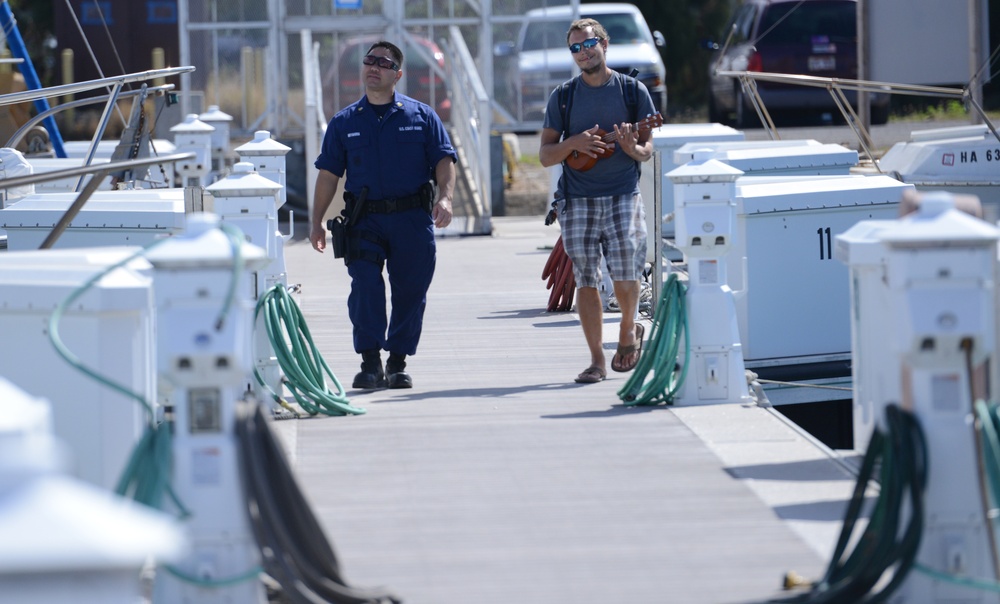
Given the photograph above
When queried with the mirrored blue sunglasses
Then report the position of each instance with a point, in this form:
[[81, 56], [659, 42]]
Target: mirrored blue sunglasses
[[588, 44]]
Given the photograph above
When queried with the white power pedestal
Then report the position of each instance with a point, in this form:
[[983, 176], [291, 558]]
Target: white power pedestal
[[194, 136], [204, 356], [940, 309], [219, 120], [705, 225], [250, 202]]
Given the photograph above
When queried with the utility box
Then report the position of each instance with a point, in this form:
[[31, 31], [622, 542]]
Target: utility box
[[110, 328], [41, 165], [108, 218], [799, 157], [667, 139], [791, 295]]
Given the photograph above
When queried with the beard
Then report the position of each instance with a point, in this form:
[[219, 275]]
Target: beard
[[596, 68]]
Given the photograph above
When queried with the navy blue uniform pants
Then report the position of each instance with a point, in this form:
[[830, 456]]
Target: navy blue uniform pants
[[407, 245]]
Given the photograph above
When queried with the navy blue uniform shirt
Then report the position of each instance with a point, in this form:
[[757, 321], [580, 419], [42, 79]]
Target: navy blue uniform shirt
[[392, 156]]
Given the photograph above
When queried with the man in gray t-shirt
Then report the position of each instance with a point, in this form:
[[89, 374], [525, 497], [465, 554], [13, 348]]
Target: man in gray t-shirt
[[601, 213]]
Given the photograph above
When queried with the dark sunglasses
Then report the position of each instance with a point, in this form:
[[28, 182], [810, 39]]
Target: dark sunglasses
[[382, 62], [588, 44]]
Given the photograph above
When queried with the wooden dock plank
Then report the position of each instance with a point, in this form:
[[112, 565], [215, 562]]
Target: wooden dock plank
[[496, 479]]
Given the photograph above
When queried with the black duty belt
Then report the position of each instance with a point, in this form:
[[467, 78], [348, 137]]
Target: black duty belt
[[393, 204]]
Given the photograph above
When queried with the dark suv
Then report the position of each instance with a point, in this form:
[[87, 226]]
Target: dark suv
[[809, 37]]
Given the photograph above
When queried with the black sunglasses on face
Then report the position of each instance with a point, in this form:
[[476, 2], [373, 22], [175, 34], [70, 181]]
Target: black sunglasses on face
[[382, 62], [588, 44]]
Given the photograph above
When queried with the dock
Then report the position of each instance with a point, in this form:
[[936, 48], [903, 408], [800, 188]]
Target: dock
[[498, 480]]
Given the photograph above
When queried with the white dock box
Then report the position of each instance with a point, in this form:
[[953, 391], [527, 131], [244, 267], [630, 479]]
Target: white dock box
[[41, 165], [109, 328], [791, 295], [964, 160], [159, 175], [778, 157], [667, 139], [131, 217]]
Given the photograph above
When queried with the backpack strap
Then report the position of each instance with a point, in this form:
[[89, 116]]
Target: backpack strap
[[566, 90], [630, 92]]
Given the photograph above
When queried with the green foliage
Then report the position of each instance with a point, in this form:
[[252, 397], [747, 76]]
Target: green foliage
[[35, 22], [928, 112], [686, 25]]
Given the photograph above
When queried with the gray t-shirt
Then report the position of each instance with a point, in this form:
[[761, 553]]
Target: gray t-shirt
[[605, 106]]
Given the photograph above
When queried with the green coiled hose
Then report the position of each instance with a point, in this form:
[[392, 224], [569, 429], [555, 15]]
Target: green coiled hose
[[300, 361], [660, 354], [889, 544]]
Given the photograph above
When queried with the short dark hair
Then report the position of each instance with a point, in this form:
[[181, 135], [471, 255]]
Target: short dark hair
[[583, 24], [397, 54]]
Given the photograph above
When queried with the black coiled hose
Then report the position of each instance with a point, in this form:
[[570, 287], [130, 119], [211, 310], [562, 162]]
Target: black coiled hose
[[294, 550], [890, 542]]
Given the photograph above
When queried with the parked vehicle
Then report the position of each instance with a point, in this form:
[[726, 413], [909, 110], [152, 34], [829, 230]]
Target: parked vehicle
[[342, 84], [809, 37], [543, 61]]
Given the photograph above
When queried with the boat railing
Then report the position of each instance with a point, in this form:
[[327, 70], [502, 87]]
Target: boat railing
[[113, 83], [836, 87], [75, 87], [36, 119]]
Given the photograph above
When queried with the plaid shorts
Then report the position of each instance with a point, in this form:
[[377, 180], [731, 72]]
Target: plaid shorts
[[613, 227]]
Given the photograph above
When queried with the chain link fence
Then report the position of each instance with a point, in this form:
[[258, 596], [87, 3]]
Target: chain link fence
[[249, 59]]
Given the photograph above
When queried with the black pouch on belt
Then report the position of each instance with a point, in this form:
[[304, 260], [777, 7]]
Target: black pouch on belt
[[338, 236]]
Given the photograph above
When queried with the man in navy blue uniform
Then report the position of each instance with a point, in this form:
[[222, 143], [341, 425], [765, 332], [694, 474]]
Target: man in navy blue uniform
[[392, 147]]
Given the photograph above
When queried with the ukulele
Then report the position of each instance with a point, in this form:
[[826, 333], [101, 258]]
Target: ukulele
[[582, 162]]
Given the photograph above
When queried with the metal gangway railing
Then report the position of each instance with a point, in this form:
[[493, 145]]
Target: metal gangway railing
[[471, 129], [836, 87]]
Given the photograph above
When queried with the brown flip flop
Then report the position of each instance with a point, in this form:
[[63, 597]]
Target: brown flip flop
[[591, 375], [624, 351]]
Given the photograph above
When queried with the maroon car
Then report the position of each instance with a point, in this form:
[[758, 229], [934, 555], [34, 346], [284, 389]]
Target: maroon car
[[808, 37]]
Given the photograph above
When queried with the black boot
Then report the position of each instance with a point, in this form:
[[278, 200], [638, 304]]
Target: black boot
[[394, 368], [371, 376]]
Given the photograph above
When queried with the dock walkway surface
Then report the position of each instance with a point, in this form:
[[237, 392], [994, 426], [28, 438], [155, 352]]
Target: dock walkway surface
[[498, 480]]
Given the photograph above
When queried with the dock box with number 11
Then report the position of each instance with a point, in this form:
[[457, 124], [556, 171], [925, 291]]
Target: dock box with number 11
[[792, 296]]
